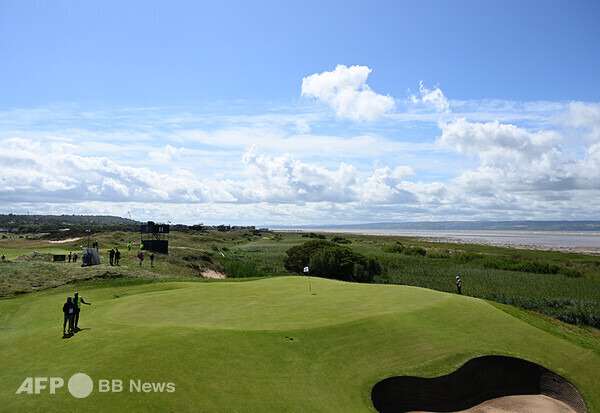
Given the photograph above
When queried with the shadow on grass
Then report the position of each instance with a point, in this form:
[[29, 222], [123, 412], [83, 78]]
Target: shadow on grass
[[72, 333]]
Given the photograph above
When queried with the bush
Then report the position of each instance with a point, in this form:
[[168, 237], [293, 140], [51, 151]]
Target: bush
[[414, 251], [399, 248], [341, 240], [570, 272], [329, 260], [396, 248]]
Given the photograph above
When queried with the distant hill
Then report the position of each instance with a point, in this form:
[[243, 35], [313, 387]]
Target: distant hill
[[12, 219], [73, 223], [467, 225]]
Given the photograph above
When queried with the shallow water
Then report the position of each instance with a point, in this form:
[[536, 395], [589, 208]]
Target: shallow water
[[588, 242]]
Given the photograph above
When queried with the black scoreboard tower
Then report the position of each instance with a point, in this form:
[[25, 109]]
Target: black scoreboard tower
[[155, 237]]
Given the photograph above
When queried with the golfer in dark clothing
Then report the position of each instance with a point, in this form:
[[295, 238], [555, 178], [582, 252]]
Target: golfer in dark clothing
[[117, 256], [111, 255], [69, 311], [77, 301], [458, 284]]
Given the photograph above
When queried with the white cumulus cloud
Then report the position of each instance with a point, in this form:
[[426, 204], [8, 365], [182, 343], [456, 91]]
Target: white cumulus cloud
[[496, 143], [433, 98], [285, 179], [386, 186], [585, 118], [345, 90], [518, 166]]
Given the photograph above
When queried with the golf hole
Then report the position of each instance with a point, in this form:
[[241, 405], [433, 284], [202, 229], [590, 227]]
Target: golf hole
[[477, 381]]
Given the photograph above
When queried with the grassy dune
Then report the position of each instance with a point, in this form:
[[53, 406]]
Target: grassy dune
[[268, 344]]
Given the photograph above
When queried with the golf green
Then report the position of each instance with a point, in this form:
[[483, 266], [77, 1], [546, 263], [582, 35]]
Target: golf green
[[263, 345]]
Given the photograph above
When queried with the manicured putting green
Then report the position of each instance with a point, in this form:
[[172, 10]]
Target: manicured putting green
[[273, 304]]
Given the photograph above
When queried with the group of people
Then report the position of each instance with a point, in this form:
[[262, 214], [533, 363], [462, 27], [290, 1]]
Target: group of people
[[71, 311], [114, 255], [72, 255], [141, 258]]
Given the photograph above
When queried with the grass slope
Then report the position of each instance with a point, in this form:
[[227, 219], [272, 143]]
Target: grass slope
[[227, 347]]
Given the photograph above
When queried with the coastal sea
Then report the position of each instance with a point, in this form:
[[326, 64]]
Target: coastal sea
[[573, 241]]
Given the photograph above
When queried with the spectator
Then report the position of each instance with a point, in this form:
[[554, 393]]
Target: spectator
[[69, 312], [77, 301]]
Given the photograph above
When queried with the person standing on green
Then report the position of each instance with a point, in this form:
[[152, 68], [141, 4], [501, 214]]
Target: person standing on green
[[77, 301], [69, 311]]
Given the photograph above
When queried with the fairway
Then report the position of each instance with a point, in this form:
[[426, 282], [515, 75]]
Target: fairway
[[265, 345]]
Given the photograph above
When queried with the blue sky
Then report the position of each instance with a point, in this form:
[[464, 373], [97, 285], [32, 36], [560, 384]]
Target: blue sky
[[278, 113]]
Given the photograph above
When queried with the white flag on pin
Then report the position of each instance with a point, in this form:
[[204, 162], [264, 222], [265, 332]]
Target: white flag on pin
[[305, 269]]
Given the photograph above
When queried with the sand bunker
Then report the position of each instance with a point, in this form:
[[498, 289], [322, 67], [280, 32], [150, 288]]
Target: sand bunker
[[64, 240], [481, 385], [521, 404], [213, 274]]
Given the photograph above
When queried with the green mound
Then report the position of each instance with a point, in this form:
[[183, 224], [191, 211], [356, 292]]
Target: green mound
[[266, 345], [274, 304]]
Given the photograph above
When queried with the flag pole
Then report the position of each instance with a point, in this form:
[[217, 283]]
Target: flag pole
[[306, 271]]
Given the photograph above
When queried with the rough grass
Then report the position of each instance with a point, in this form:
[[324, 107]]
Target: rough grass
[[189, 255]]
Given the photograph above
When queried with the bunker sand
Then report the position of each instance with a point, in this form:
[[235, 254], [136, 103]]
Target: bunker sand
[[64, 240], [213, 274], [519, 404]]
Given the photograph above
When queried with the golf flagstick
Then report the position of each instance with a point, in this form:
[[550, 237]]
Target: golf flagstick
[[306, 271]]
